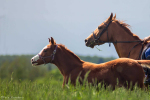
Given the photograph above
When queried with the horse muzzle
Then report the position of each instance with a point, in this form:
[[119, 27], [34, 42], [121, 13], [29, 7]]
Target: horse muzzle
[[89, 44], [86, 43], [34, 63], [34, 60]]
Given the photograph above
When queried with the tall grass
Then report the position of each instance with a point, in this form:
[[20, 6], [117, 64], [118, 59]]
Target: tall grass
[[50, 88]]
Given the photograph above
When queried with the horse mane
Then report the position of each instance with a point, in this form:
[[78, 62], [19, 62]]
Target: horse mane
[[64, 47], [126, 27]]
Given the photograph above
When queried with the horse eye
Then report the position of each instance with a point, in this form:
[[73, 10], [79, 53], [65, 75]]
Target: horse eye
[[100, 27], [45, 50]]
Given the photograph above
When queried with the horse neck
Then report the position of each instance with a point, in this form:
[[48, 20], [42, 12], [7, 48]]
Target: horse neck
[[123, 49], [66, 61]]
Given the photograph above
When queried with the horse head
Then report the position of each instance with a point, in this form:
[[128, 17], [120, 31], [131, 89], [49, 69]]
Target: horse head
[[100, 35], [46, 55]]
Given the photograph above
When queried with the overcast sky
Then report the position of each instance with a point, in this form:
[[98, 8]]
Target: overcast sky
[[26, 25]]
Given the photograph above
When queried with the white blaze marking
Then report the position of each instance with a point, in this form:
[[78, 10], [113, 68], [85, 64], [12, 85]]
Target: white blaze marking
[[36, 57]]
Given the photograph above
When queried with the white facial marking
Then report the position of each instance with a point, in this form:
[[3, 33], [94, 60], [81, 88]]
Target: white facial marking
[[36, 57]]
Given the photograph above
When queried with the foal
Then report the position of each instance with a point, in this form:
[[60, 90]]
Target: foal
[[124, 70]]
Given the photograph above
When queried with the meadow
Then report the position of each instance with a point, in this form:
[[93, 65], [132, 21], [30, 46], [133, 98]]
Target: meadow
[[48, 85], [50, 88]]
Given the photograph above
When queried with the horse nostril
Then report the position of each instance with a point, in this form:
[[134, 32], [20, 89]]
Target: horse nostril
[[85, 40], [32, 59]]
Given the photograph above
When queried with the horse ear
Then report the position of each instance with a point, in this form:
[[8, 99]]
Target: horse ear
[[52, 40], [110, 18], [115, 16], [49, 40]]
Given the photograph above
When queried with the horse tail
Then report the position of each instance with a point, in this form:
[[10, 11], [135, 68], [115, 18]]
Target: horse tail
[[144, 63]]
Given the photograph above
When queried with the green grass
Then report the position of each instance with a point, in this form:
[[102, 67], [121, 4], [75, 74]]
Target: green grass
[[50, 88]]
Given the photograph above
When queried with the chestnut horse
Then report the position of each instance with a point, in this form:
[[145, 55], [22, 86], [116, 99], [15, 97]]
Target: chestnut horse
[[117, 32], [71, 66]]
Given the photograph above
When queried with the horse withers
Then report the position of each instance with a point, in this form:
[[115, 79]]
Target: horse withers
[[124, 70]]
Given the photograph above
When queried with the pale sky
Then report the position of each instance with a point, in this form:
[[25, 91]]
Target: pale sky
[[26, 25]]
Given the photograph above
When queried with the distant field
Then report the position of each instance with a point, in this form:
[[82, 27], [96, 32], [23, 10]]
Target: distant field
[[50, 88]]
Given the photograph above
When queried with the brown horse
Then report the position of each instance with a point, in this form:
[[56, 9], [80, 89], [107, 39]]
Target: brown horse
[[71, 66], [117, 32]]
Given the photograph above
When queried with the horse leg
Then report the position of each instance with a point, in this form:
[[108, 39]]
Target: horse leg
[[146, 83], [65, 81]]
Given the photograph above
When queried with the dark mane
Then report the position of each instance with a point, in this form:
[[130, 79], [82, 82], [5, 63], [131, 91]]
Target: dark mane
[[126, 27], [63, 46]]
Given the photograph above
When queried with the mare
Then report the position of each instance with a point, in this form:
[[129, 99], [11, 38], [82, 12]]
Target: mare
[[124, 70], [114, 31]]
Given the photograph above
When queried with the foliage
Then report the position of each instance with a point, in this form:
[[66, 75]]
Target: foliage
[[19, 67], [96, 59]]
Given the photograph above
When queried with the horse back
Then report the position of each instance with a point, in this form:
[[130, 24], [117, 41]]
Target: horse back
[[123, 69]]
